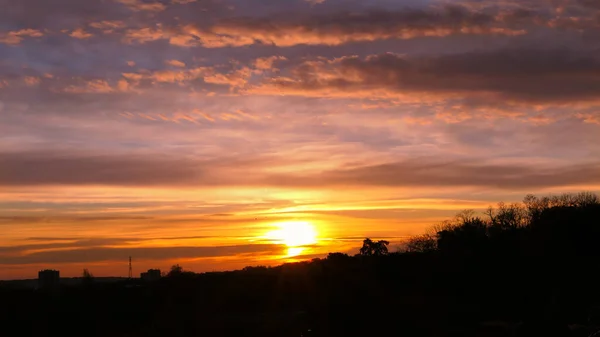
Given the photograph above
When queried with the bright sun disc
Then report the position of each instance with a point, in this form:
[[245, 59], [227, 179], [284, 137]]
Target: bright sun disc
[[294, 234]]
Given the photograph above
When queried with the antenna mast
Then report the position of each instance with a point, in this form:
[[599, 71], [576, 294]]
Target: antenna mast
[[130, 269]]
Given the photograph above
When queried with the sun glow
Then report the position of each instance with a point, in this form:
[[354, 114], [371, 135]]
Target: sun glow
[[295, 235], [294, 251]]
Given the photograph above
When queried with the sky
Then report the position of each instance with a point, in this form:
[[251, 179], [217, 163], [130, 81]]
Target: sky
[[224, 133]]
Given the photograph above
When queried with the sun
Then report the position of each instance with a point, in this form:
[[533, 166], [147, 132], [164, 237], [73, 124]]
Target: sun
[[294, 234]]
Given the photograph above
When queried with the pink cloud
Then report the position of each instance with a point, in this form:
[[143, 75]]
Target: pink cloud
[[175, 63], [15, 37], [81, 34]]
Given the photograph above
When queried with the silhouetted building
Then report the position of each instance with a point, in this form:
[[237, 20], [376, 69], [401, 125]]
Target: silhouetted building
[[151, 275], [48, 279]]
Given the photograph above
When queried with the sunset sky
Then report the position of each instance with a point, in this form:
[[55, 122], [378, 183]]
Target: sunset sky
[[223, 133]]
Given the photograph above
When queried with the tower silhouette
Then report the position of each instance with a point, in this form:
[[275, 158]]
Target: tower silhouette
[[130, 269]]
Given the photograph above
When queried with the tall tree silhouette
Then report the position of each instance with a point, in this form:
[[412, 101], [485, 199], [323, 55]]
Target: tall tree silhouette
[[372, 248], [87, 278]]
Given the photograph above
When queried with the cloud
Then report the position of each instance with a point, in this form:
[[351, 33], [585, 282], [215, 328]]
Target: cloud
[[50, 244], [15, 37], [529, 75], [170, 76], [237, 78], [92, 87], [417, 173], [58, 218], [143, 35], [68, 168], [591, 118], [266, 63], [335, 28], [23, 169], [187, 23], [181, 36], [175, 63], [32, 80], [141, 5], [101, 254], [80, 33], [108, 26], [345, 27]]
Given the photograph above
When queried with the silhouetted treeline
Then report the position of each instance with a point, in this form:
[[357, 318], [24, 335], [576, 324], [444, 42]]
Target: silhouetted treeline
[[527, 269]]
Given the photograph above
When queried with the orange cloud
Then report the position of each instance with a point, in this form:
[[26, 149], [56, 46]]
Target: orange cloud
[[139, 5], [108, 26], [352, 27], [239, 36], [514, 75], [266, 63], [246, 114], [32, 81], [123, 86], [181, 37], [173, 76], [15, 37], [591, 118], [190, 35], [144, 35], [168, 76], [79, 33], [95, 86], [414, 120], [133, 76], [235, 79], [99, 87], [336, 29], [238, 78], [204, 115], [175, 63]]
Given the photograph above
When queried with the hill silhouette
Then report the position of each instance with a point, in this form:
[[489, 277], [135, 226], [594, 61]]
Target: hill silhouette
[[523, 269]]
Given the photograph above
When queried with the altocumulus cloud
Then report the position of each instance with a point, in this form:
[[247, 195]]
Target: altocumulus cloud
[[530, 75]]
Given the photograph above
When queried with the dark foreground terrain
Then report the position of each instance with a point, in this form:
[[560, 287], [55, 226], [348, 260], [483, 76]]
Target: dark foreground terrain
[[527, 269]]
